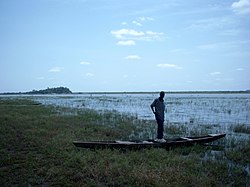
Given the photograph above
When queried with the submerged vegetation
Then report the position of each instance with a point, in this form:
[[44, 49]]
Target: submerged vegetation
[[241, 128], [36, 149]]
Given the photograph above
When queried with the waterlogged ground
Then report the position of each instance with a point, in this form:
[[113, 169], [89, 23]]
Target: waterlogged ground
[[180, 108], [217, 112], [36, 149]]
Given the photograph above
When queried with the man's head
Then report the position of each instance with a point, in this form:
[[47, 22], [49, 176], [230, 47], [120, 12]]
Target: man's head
[[162, 94]]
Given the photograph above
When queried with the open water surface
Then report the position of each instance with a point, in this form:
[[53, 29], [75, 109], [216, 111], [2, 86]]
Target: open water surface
[[215, 110], [180, 108], [207, 109]]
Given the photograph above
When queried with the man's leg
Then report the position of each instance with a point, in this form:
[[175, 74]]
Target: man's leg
[[160, 129]]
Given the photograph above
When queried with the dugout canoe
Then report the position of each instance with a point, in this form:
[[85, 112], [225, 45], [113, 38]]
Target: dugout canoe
[[137, 144]]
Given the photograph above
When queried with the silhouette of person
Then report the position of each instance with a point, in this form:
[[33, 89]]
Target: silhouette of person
[[158, 108]]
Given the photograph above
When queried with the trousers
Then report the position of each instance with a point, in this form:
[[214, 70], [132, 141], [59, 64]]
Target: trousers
[[160, 128]]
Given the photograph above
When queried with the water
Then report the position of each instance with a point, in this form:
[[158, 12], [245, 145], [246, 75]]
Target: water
[[180, 108], [206, 109]]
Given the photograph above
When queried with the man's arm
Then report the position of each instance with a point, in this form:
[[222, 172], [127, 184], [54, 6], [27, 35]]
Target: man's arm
[[153, 106]]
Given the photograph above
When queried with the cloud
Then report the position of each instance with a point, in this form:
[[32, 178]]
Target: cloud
[[131, 34], [174, 66], [152, 36], [146, 19], [126, 42], [221, 45], [123, 33], [124, 23], [215, 73], [128, 34], [241, 6], [56, 69], [137, 23], [133, 57], [85, 63], [89, 74], [180, 51], [218, 23]]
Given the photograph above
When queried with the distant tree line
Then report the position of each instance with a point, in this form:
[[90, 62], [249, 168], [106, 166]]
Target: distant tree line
[[58, 90]]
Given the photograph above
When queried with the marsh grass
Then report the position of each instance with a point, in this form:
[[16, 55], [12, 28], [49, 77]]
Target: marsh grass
[[241, 128], [176, 129], [36, 150]]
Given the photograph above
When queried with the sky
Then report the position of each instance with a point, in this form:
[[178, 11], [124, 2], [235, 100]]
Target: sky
[[125, 45]]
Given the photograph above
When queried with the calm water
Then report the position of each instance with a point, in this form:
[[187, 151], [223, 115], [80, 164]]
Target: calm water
[[207, 109]]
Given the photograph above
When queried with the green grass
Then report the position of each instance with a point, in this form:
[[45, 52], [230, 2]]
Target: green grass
[[36, 149], [174, 129]]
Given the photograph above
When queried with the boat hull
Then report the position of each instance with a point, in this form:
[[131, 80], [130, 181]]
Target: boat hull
[[182, 141]]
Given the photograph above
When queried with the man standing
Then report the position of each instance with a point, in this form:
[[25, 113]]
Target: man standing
[[158, 108]]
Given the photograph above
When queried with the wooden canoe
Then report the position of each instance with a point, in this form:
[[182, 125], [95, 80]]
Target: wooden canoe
[[182, 141]]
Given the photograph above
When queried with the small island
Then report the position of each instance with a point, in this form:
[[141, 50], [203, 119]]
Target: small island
[[58, 90]]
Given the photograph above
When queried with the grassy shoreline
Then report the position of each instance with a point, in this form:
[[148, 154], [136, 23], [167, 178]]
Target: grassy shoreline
[[36, 149]]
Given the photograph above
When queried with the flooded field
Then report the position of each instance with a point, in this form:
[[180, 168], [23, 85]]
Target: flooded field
[[217, 112], [186, 114], [37, 150], [180, 108]]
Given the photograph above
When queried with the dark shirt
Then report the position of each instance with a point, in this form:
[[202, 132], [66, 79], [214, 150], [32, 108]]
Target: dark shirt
[[159, 108]]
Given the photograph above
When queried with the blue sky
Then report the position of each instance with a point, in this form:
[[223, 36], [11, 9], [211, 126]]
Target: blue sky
[[125, 45]]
